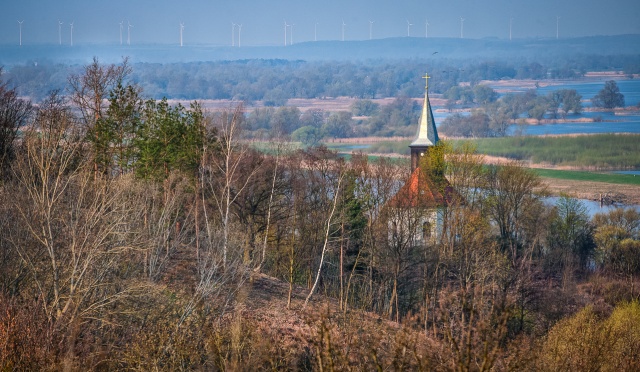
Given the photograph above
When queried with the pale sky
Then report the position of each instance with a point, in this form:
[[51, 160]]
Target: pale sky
[[210, 21]]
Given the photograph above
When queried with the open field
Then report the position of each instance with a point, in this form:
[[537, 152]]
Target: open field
[[575, 152], [329, 104], [593, 152], [621, 179], [505, 86]]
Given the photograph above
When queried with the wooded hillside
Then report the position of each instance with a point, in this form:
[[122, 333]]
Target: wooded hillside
[[141, 235]]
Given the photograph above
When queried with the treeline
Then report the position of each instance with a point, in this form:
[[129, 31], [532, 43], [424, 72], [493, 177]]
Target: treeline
[[494, 115], [275, 81], [365, 118], [490, 116], [129, 231]]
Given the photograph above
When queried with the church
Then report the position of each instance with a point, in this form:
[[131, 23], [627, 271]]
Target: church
[[415, 211]]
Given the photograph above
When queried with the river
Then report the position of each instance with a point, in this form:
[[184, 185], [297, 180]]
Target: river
[[608, 122], [593, 207]]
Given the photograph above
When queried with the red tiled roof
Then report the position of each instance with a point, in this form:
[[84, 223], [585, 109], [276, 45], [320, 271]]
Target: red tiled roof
[[420, 191]]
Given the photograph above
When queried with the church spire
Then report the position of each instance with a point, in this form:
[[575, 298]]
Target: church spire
[[427, 134]]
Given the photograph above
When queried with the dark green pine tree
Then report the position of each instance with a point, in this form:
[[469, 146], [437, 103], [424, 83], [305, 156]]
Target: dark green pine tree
[[114, 133], [170, 138]]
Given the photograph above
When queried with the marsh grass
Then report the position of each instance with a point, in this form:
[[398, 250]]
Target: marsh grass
[[594, 152], [625, 179]]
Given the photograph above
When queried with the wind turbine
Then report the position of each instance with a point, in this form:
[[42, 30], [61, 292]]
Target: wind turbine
[[129, 26], [20, 26], [409, 24], [71, 24], [343, 24], [233, 34], [557, 27], [461, 27], [121, 27], [426, 29], [315, 32], [510, 27], [239, 32], [181, 30], [60, 23], [371, 29], [285, 32]]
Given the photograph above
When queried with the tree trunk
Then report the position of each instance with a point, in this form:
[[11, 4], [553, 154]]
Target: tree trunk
[[341, 266], [326, 242], [266, 233]]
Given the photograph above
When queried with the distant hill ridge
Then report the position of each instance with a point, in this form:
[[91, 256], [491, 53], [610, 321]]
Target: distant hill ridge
[[391, 48]]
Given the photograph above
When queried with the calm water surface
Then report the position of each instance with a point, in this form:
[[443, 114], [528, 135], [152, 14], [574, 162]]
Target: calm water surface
[[634, 172], [611, 123], [593, 207], [629, 88]]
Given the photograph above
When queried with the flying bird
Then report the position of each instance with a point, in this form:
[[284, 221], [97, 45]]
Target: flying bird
[[435, 53]]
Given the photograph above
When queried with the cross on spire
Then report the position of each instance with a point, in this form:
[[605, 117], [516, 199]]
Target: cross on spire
[[426, 78]]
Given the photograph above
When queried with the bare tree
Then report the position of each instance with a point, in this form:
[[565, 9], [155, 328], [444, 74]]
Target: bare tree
[[399, 253], [14, 114], [165, 223], [90, 90], [76, 224], [223, 171], [327, 234], [265, 240], [511, 191]]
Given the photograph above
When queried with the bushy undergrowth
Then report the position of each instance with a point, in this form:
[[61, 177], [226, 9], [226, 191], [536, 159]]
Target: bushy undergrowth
[[589, 341]]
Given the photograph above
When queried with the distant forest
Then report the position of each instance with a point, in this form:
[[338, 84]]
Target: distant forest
[[273, 81]]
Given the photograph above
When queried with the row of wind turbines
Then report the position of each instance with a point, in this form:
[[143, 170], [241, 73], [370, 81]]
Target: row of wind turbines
[[60, 23], [288, 31], [409, 24]]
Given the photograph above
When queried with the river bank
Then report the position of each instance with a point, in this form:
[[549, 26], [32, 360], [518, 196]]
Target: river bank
[[618, 194]]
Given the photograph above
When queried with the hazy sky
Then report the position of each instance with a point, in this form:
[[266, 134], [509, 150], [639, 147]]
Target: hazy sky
[[209, 21]]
